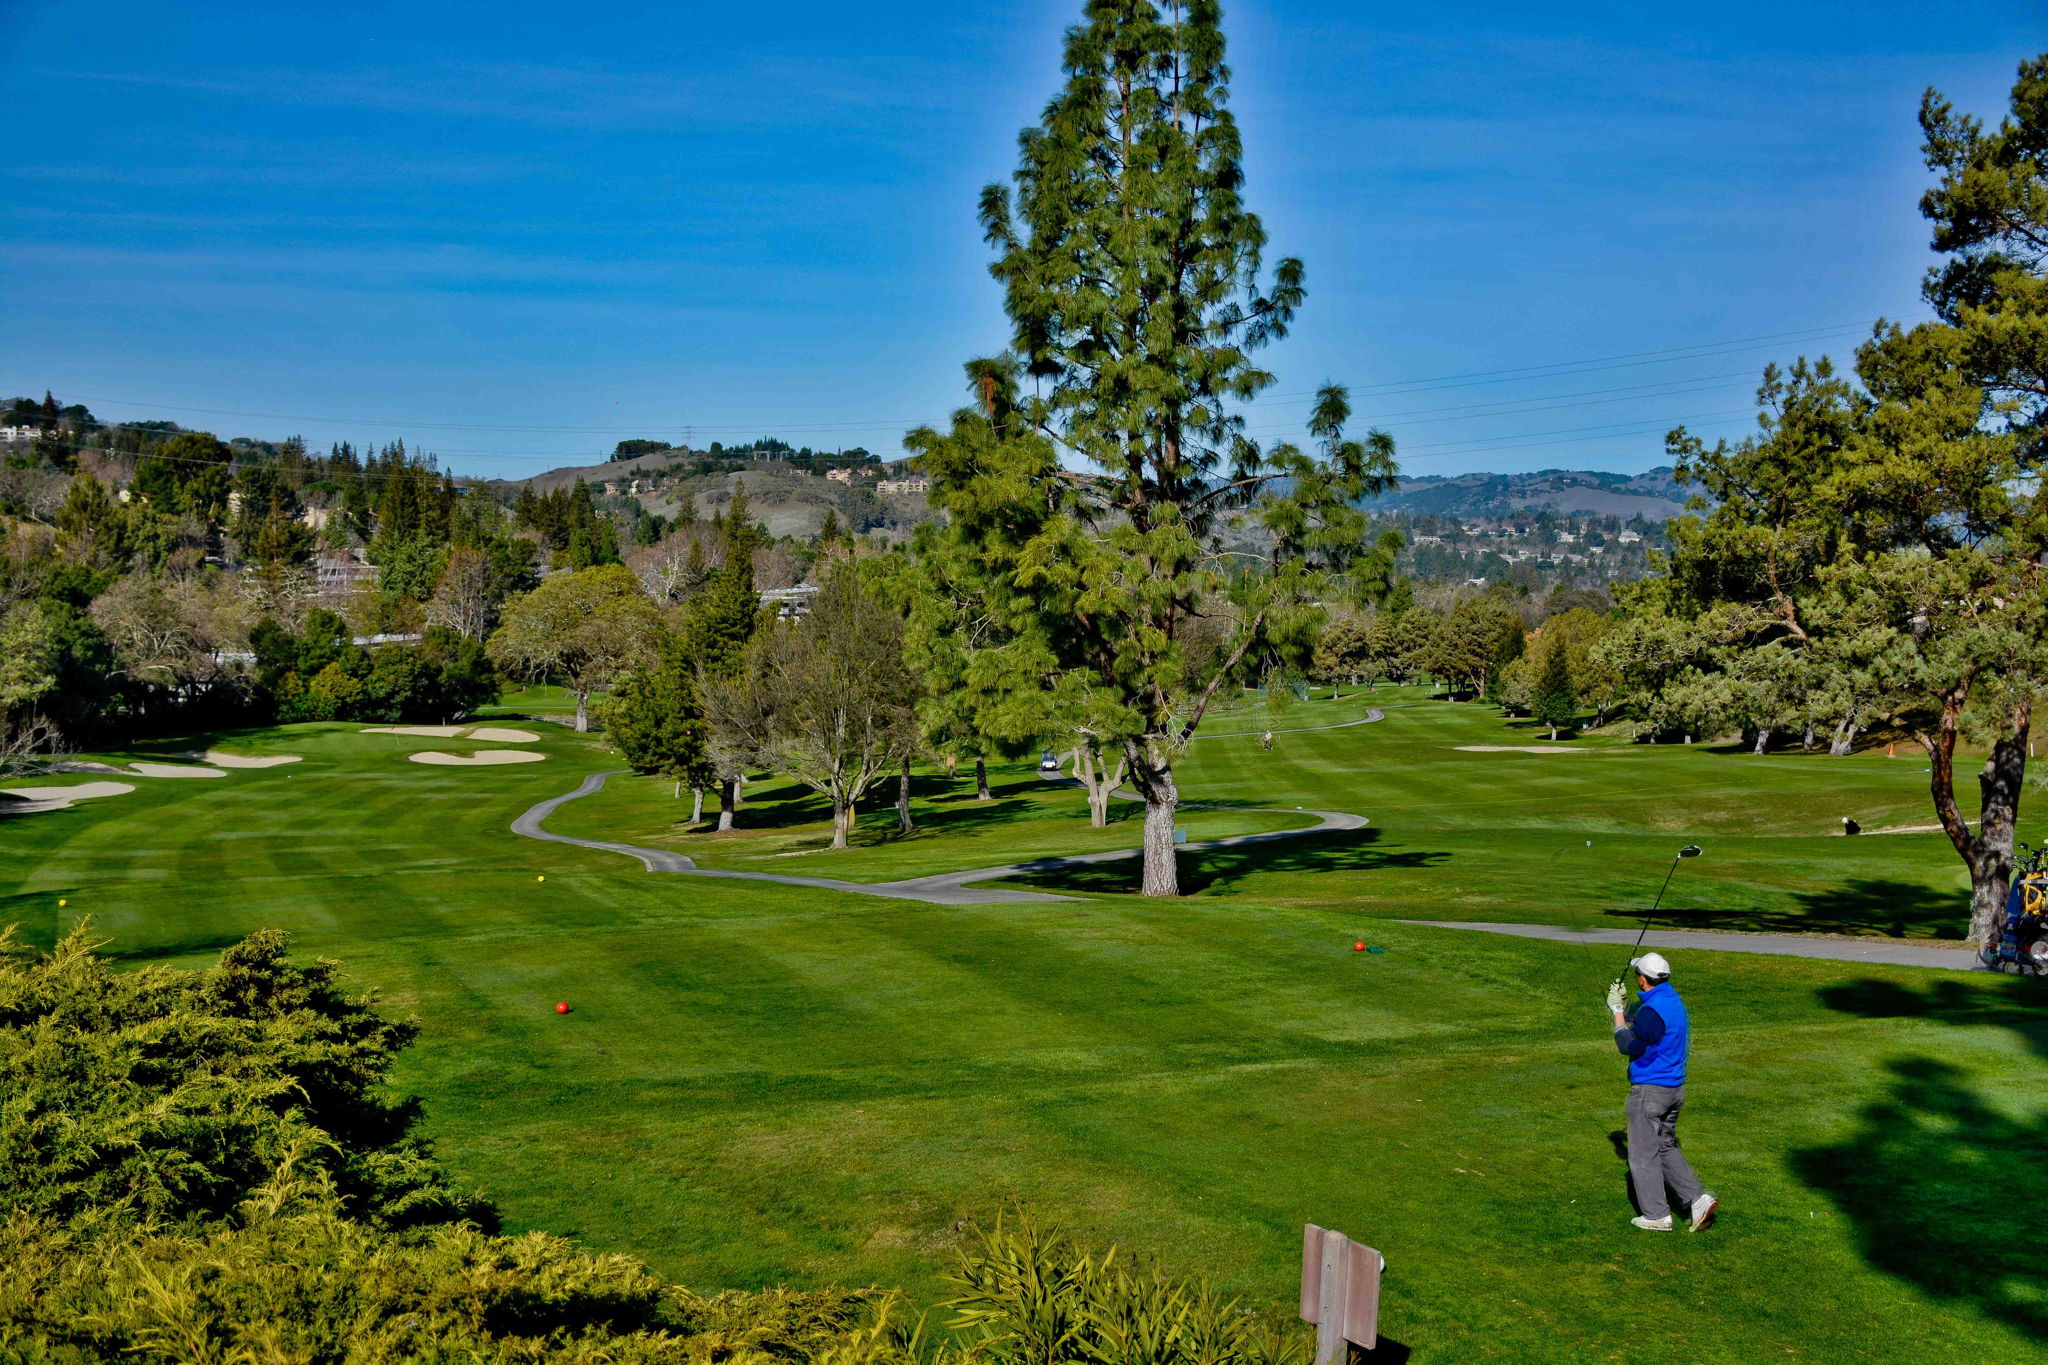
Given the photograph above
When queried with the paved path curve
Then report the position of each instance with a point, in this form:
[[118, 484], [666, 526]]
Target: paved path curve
[[1372, 714], [944, 888], [1777, 945]]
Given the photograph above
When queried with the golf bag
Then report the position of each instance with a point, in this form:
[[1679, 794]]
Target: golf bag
[[2023, 938]]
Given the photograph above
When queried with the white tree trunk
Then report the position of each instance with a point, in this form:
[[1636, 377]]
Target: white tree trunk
[[842, 821], [582, 713], [981, 792], [696, 804]]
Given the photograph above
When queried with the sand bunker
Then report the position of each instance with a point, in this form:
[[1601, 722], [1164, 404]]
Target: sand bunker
[[57, 798], [430, 731], [505, 736], [1520, 749], [486, 758], [221, 760], [173, 770]]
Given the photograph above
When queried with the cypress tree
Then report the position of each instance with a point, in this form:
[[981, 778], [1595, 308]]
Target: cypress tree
[[1554, 703]]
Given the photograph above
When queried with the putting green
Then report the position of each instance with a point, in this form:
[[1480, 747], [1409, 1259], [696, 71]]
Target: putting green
[[760, 1083]]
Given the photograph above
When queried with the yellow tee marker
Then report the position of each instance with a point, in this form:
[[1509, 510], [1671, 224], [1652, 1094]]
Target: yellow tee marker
[[61, 902], [540, 879]]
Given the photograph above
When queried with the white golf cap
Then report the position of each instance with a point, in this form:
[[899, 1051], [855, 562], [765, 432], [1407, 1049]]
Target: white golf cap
[[1653, 966]]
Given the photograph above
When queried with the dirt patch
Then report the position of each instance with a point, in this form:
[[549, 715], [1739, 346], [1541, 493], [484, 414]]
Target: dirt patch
[[487, 758]]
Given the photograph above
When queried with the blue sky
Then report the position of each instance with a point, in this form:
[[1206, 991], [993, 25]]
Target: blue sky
[[515, 233]]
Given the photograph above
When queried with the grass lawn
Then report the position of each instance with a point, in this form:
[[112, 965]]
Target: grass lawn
[[534, 699], [761, 1083]]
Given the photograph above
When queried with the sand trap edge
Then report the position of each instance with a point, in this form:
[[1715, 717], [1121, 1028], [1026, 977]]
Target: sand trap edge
[[58, 798], [487, 758], [221, 760]]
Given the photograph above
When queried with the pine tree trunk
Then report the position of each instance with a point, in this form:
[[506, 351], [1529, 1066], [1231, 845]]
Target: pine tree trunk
[[582, 713], [1845, 737], [726, 791], [1763, 739], [903, 825], [1162, 801], [677, 794], [696, 805], [1987, 853], [981, 792], [842, 822], [1098, 805], [1553, 734], [1806, 740]]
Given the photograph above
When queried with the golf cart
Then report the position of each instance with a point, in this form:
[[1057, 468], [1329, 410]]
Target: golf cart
[[1048, 762], [2022, 945]]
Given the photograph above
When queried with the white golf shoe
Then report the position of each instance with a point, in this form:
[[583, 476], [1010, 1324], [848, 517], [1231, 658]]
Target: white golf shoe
[[1652, 1224], [1703, 1209]]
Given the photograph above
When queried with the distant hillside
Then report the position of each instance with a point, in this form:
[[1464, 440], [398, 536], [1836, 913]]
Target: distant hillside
[[1654, 496], [791, 499]]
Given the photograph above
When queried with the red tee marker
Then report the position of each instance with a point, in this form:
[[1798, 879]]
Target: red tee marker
[[561, 1007], [1358, 947]]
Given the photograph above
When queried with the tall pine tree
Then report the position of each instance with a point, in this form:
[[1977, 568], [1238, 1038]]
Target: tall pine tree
[[1132, 275]]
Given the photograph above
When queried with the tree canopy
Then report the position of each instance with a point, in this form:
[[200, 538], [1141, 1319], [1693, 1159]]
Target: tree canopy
[[1133, 277]]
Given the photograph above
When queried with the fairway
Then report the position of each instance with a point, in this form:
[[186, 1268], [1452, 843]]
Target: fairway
[[761, 1083]]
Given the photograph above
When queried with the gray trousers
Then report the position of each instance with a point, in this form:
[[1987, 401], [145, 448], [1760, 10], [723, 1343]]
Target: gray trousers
[[1654, 1160]]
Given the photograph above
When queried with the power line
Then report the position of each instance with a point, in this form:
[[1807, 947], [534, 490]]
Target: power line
[[1511, 407], [1445, 449], [1553, 370]]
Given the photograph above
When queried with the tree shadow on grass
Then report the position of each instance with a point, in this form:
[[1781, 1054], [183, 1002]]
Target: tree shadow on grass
[[1862, 905], [1944, 1192], [2003, 1002], [1221, 869], [788, 808]]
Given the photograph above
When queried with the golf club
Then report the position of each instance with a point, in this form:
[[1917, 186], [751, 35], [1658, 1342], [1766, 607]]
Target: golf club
[[1689, 851]]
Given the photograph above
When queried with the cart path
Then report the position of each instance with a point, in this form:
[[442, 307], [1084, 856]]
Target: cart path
[[1372, 714], [1888, 951], [944, 888]]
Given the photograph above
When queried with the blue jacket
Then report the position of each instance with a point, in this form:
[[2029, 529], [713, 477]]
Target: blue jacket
[[1654, 1041]]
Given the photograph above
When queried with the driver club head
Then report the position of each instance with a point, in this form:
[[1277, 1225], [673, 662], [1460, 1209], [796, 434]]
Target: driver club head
[[1689, 851]]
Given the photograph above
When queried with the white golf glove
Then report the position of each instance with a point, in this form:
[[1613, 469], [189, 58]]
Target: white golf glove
[[1617, 998]]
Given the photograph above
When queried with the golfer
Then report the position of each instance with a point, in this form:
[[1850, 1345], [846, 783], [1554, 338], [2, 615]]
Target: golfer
[[1654, 1042]]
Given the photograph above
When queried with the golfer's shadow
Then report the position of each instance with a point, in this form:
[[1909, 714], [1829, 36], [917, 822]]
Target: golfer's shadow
[[1619, 1139]]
